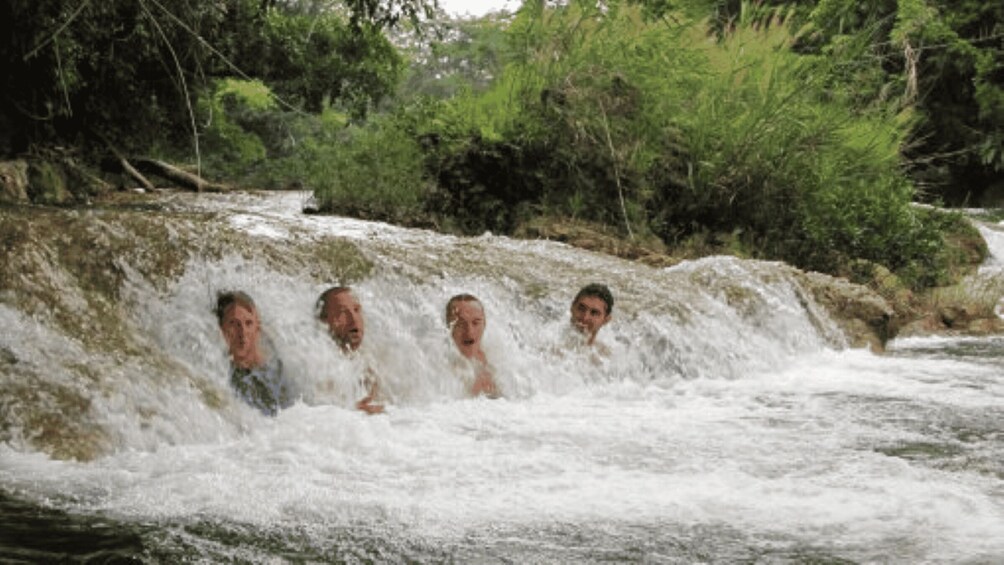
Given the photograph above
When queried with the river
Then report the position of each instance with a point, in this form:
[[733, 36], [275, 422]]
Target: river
[[730, 424]]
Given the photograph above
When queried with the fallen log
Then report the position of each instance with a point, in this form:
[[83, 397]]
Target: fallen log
[[125, 165], [176, 175], [135, 175]]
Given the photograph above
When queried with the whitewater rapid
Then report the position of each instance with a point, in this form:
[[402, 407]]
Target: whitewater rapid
[[731, 423]]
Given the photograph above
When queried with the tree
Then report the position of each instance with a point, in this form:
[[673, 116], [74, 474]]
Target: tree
[[943, 57], [129, 72], [469, 54]]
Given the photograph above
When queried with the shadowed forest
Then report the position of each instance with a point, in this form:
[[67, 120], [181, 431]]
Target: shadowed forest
[[802, 131]]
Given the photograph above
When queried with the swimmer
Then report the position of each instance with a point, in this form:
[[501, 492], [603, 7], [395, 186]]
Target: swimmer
[[256, 379], [591, 310], [341, 311], [465, 316]]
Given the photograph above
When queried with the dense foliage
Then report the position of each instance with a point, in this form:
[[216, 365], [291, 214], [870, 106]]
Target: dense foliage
[[131, 72], [458, 55], [608, 114], [799, 130], [947, 57]]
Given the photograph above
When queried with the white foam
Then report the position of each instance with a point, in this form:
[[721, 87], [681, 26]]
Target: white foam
[[726, 403]]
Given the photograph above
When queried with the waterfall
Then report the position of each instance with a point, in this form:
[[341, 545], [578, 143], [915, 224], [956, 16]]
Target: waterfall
[[989, 280], [110, 319], [729, 421]]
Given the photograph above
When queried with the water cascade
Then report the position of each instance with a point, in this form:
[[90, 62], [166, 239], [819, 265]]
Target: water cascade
[[731, 421]]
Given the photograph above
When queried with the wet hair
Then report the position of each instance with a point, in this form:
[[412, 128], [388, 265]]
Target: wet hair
[[322, 300], [460, 298], [599, 291], [227, 299]]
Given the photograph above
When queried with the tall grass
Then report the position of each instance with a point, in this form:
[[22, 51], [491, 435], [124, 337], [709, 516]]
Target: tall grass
[[815, 180], [656, 127]]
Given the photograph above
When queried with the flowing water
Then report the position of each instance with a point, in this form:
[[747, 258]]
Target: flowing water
[[729, 424]]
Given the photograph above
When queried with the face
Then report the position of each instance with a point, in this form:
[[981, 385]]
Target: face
[[467, 325], [344, 316], [589, 313], [241, 329]]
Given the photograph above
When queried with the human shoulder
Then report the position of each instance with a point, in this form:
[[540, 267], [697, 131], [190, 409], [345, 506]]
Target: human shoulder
[[263, 386]]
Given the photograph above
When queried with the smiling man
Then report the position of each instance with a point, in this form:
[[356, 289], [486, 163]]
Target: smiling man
[[591, 310]]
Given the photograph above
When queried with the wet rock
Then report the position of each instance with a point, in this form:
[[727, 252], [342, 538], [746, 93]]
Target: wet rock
[[13, 181], [953, 315], [865, 317], [953, 321], [924, 325], [985, 326], [47, 184], [311, 206], [595, 237], [7, 356]]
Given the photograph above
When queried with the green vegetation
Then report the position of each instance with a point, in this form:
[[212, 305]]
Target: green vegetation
[[799, 130], [461, 55], [946, 58], [139, 75], [610, 116], [374, 171]]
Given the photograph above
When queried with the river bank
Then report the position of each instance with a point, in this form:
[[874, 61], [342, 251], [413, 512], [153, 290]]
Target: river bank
[[883, 309]]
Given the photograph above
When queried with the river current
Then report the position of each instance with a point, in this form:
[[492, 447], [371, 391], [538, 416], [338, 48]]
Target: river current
[[730, 424]]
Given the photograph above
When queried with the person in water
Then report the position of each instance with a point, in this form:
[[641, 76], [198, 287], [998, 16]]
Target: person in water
[[257, 379], [465, 316], [341, 311], [591, 310]]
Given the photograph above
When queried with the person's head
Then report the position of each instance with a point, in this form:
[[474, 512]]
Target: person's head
[[591, 309], [340, 310], [465, 317], [241, 327]]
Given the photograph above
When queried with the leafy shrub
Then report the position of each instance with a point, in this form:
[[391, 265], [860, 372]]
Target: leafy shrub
[[374, 170], [659, 129], [231, 150], [815, 181]]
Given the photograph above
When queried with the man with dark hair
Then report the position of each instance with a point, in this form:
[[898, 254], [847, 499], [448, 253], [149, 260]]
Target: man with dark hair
[[465, 316], [591, 310], [256, 379], [340, 310]]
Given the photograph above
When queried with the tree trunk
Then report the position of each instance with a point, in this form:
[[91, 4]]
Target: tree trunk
[[177, 176], [127, 167], [136, 175]]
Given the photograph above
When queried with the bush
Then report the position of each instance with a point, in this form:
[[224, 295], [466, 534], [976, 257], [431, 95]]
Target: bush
[[230, 151], [814, 181], [659, 129], [374, 170]]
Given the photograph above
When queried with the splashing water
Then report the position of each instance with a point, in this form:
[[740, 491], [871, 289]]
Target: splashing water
[[730, 423]]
